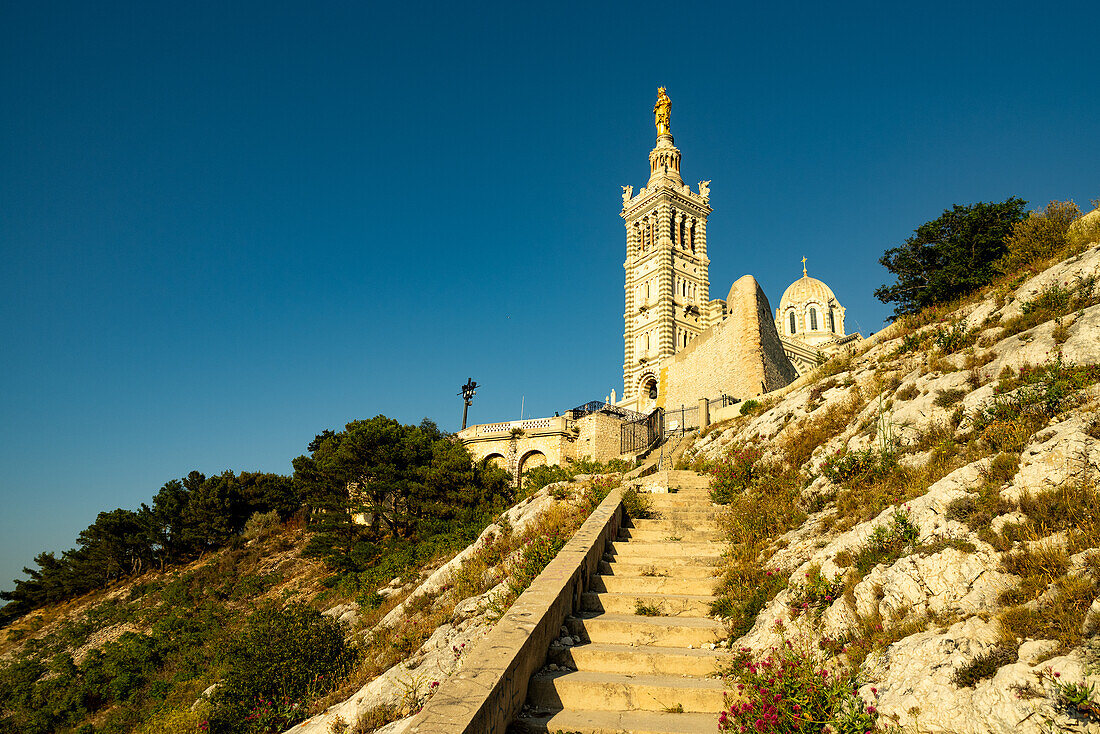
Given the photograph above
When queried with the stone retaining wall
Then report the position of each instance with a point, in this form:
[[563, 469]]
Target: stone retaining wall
[[489, 691]]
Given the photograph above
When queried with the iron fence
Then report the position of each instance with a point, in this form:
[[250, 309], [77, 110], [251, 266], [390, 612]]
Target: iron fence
[[681, 419], [599, 406], [643, 433]]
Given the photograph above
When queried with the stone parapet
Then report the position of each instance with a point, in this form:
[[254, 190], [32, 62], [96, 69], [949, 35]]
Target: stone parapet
[[488, 693]]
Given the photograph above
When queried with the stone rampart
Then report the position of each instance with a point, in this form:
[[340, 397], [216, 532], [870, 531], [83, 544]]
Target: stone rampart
[[740, 356], [488, 693]]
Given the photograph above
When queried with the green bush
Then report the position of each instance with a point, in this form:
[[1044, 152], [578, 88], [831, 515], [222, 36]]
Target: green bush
[[887, 543], [749, 407], [637, 504], [281, 660], [985, 665], [261, 523]]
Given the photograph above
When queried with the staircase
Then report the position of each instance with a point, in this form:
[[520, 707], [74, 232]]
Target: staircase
[[635, 660]]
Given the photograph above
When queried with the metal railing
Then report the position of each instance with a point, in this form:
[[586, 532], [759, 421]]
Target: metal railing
[[599, 406], [681, 419], [640, 435]]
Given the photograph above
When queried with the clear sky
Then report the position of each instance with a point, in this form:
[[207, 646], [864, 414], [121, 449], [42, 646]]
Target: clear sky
[[226, 227]]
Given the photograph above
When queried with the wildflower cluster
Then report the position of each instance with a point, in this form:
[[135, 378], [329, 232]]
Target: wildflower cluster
[[734, 473], [791, 691], [816, 594], [858, 467], [274, 714]]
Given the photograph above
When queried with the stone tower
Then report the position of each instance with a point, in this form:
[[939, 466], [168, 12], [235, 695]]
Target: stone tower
[[667, 283]]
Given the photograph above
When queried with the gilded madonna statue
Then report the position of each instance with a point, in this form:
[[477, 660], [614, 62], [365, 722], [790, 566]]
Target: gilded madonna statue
[[661, 111]]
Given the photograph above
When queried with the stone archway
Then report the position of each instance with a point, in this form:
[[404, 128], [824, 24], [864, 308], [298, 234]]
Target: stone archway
[[647, 392], [530, 460], [497, 460]]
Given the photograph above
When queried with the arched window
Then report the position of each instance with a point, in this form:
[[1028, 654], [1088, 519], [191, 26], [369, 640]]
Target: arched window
[[792, 322], [813, 319], [832, 322]]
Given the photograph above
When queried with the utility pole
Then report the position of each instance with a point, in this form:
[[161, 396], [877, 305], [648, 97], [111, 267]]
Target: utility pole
[[468, 392]]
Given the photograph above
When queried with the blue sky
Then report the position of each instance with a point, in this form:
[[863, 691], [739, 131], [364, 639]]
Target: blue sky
[[228, 227]]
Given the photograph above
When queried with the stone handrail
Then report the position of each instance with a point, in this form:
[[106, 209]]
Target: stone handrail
[[488, 693]]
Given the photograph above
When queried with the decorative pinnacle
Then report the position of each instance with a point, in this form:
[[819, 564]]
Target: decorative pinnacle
[[803, 266]]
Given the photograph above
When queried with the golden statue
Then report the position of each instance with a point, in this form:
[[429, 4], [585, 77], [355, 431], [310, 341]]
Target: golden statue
[[661, 111]]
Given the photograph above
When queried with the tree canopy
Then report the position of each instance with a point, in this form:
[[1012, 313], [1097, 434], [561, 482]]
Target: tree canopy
[[950, 256], [380, 479]]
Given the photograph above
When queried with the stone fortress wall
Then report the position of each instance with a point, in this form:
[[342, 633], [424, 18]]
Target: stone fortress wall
[[740, 356]]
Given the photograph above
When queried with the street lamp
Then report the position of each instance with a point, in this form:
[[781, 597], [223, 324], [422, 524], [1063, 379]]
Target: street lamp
[[468, 392]]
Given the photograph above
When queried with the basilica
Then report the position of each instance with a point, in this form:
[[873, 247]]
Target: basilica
[[688, 358], [667, 291]]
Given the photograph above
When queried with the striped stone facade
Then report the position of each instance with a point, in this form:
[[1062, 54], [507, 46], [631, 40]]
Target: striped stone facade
[[667, 286]]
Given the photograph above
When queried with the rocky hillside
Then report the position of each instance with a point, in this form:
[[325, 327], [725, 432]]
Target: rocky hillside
[[922, 518]]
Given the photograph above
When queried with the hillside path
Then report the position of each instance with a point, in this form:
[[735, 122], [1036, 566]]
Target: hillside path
[[642, 647]]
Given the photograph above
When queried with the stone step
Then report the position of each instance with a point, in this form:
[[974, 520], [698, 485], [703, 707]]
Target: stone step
[[623, 629], [695, 536], [708, 515], [667, 605], [617, 722], [666, 549], [580, 689], [669, 501], [703, 524], [684, 568], [672, 584], [632, 659]]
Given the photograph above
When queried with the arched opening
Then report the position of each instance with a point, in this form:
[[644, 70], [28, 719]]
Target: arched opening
[[530, 460], [813, 319], [832, 321], [498, 461], [792, 323]]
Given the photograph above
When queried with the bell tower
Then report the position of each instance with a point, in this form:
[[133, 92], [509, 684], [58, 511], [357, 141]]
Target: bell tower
[[667, 281]]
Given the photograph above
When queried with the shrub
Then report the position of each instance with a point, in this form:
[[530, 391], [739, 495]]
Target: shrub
[[791, 691], [1053, 303], [750, 407], [1059, 616], [858, 467], [949, 398], [985, 665], [1084, 231], [887, 543], [908, 392], [1039, 237], [734, 473], [911, 342], [953, 337], [261, 523], [816, 594], [280, 660], [637, 504]]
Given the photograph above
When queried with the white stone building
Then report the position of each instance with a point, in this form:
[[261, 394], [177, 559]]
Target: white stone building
[[810, 322]]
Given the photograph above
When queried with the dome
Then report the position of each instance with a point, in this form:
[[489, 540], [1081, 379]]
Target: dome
[[804, 290], [809, 312]]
